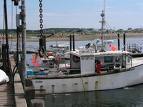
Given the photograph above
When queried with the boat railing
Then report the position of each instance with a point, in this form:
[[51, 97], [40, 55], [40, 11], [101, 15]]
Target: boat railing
[[50, 72]]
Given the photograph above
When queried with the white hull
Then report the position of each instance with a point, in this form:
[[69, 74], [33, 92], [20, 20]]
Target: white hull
[[89, 83]]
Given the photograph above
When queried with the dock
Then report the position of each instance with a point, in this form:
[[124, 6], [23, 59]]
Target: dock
[[6, 96], [19, 92], [12, 96]]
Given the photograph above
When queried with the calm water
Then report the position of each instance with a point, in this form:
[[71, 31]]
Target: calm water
[[35, 45], [127, 97]]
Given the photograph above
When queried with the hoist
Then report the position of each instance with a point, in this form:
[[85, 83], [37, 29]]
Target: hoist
[[42, 39]]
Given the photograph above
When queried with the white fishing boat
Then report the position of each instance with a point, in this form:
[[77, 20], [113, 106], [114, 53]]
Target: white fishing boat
[[90, 71]]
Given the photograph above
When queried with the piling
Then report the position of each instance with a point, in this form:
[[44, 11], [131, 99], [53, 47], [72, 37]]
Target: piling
[[118, 41], [70, 42], [124, 41], [73, 42]]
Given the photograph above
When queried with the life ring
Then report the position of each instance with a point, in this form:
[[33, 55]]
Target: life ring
[[117, 59]]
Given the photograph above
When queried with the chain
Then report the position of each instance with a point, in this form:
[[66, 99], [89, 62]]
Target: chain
[[41, 18]]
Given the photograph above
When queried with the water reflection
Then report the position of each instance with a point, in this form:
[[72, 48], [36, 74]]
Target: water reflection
[[128, 97]]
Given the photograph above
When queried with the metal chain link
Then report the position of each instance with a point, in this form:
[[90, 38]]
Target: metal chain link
[[41, 18]]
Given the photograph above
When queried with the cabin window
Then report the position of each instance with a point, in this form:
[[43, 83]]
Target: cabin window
[[108, 59], [117, 59], [129, 58], [124, 61], [98, 59]]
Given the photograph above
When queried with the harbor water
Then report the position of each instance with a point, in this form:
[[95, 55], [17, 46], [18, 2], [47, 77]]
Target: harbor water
[[126, 97]]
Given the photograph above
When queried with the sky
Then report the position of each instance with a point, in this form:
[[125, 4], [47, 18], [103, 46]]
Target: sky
[[79, 14]]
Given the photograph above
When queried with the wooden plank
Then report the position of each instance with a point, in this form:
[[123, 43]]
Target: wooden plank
[[6, 96], [19, 97]]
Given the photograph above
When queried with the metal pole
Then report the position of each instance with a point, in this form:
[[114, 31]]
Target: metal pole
[[70, 42], [118, 41], [124, 41], [73, 42]]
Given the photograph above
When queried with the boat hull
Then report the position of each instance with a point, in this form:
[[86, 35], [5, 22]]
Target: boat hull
[[131, 77]]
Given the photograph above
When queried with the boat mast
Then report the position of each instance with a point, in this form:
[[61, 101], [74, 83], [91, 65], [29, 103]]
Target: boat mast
[[102, 26]]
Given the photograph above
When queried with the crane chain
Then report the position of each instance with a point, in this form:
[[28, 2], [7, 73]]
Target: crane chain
[[41, 17]]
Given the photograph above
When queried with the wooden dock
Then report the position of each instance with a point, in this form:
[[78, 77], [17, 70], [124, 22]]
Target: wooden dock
[[10, 97], [19, 92], [6, 96]]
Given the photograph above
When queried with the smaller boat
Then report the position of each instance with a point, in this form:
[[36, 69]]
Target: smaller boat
[[60, 47]]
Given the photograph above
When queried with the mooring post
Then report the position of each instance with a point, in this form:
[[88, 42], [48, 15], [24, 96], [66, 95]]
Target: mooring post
[[118, 41], [73, 42], [70, 43]]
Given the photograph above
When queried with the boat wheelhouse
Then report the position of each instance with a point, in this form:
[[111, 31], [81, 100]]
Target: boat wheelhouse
[[111, 61]]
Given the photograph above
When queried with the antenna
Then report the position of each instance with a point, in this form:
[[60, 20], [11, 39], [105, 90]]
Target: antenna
[[103, 24]]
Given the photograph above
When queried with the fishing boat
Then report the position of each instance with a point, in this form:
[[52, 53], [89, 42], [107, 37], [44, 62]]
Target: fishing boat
[[90, 71]]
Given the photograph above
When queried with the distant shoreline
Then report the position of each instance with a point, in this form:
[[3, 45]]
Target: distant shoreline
[[80, 37], [92, 37]]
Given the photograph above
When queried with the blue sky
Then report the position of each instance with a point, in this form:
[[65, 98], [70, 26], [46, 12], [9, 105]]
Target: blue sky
[[81, 13]]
